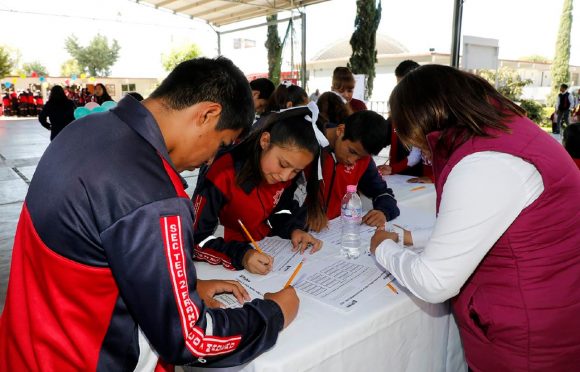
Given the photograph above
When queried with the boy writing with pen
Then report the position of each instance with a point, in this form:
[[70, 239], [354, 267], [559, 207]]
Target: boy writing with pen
[[348, 161], [256, 182]]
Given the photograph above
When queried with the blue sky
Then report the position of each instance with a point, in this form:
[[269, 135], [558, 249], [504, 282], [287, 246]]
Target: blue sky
[[522, 27]]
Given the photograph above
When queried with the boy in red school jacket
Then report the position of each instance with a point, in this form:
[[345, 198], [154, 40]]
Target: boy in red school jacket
[[348, 161]]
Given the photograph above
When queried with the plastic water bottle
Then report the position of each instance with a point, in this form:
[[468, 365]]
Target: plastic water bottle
[[351, 218]]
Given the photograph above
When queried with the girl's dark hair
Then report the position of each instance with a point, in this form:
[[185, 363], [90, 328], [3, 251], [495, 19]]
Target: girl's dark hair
[[57, 95], [332, 109], [284, 94], [287, 129], [105, 97], [342, 78], [459, 104]]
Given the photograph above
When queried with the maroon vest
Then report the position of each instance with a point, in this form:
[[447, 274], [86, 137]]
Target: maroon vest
[[520, 309]]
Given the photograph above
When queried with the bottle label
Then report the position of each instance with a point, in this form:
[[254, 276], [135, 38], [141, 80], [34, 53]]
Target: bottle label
[[352, 213]]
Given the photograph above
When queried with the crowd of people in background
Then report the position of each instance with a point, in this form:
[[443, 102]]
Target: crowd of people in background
[[30, 103], [22, 103]]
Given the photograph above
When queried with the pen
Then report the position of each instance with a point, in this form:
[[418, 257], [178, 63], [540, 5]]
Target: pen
[[392, 288], [250, 237], [387, 160], [417, 188], [296, 270]]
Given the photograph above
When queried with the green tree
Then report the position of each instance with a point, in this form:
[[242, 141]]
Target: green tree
[[5, 62], [35, 66], [274, 46], [535, 58], [509, 83], [363, 41], [560, 68], [70, 67], [97, 58], [178, 55]]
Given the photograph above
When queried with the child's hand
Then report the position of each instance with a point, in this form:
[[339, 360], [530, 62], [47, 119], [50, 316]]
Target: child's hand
[[302, 240], [288, 302], [257, 263], [209, 288], [375, 218], [380, 236], [385, 170]]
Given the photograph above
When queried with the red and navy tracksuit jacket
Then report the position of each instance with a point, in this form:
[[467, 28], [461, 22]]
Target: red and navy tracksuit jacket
[[102, 260], [264, 210], [364, 173]]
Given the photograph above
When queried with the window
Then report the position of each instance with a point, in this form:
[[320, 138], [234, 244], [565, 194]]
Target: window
[[240, 43], [127, 88]]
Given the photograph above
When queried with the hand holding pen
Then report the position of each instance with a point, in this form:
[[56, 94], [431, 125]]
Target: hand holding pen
[[255, 260]]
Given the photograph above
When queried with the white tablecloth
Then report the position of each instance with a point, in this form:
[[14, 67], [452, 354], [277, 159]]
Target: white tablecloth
[[389, 333]]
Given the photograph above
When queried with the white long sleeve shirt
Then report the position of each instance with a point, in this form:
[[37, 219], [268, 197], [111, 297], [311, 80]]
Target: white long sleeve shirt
[[483, 195]]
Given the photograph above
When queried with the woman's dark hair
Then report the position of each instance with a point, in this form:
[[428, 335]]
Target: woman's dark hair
[[571, 140], [57, 95], [287, 129], [332, 108], [342, 78], [459, 104], [213, 80], [284, 94], [105, 96]]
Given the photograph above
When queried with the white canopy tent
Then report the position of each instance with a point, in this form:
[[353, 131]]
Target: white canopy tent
[[218, 13]]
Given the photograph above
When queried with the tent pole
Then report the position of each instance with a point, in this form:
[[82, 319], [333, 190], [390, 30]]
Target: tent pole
[[303, 63], [456, 35]]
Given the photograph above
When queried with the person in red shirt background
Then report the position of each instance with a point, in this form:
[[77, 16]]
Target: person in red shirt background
[[343, 83]]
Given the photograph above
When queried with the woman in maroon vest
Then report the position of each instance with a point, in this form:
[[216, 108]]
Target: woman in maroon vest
[[506, 246]]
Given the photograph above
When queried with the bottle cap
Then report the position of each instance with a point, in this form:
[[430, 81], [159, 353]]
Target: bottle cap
[[351, 188]]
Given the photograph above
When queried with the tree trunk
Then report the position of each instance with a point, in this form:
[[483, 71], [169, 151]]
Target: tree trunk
[[274, 47]]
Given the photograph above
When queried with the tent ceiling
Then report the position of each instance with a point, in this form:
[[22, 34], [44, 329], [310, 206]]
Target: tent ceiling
[[223, 12]]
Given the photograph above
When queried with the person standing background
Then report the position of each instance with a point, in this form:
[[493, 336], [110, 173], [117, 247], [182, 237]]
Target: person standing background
[[101, 94], [58, 112], [343, 83], [564, 104]]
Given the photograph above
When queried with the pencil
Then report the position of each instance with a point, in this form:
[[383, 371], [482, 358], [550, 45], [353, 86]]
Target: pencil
[[392, 288], [417, 188], [250, 237], [296, 270]]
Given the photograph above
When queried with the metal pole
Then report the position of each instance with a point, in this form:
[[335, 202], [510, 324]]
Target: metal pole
[[303, 65], [219, 42], [456, 36]]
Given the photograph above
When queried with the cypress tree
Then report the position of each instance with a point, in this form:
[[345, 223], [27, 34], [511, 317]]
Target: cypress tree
[[560, 67], [363, 41], [274, 47]]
